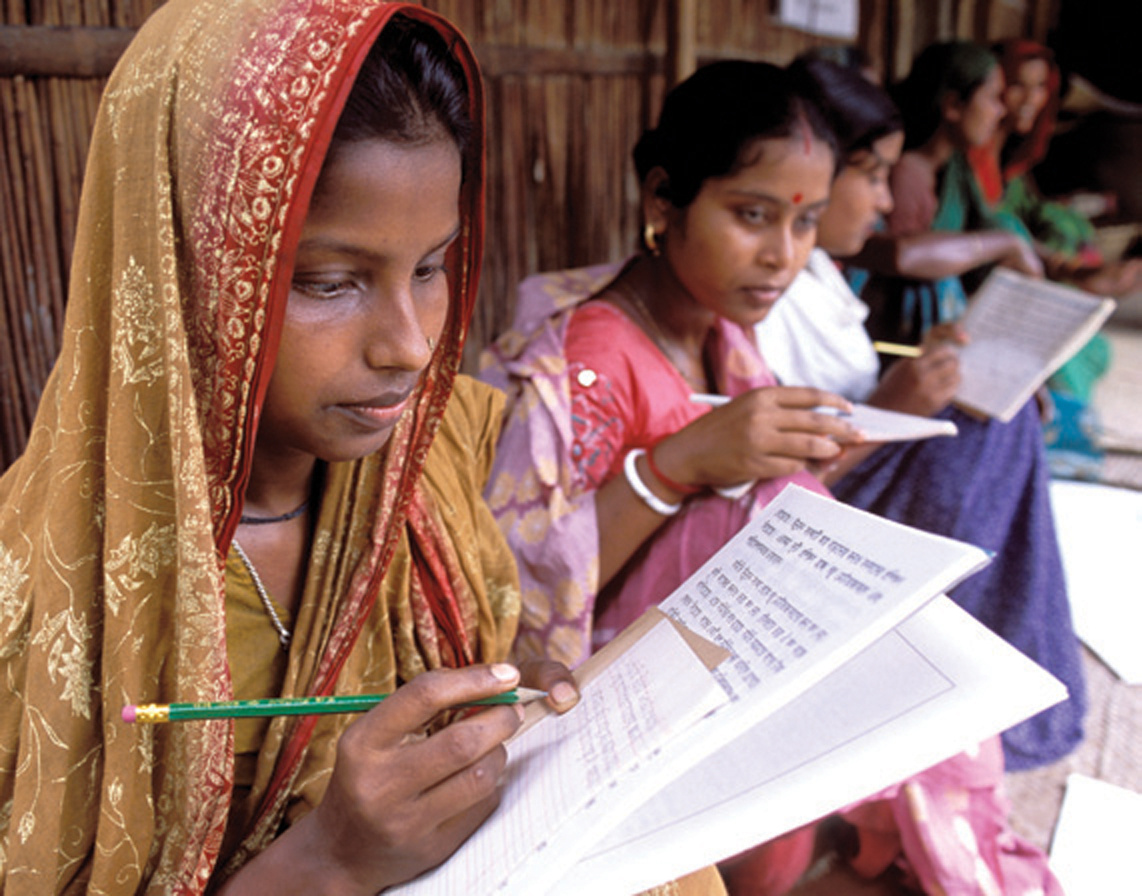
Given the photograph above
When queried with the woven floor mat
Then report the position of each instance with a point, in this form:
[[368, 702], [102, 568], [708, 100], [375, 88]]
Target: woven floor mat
[[1118, 395], [1122, 470]]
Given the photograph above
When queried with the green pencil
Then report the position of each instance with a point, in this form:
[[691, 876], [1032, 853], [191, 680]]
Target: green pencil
[[157, 713]]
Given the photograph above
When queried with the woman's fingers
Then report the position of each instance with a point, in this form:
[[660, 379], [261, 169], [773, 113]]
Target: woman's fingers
[[398, 801], [943, 334], [800, 398], [762, 434], [473, 785], [383, 757], [553, 677], [417, 703], [804, 419], [797, 446], [765, 433]]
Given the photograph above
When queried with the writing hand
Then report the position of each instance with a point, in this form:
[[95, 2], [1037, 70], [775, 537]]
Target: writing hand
[[1116, 279], [924, 385], [398, 802], [765, 433]]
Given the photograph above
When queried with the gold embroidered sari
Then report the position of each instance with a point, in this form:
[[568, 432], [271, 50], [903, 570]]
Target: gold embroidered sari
[[115, 524]]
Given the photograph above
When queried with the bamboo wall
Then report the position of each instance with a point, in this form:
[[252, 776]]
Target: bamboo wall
[[571, 84]]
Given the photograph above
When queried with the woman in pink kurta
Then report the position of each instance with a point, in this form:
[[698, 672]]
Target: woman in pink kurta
[[611, 481], [590, 384]]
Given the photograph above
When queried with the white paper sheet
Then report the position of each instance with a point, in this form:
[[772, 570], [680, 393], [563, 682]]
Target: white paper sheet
[[1094, 851], [1100, 534], [830, 18], [802, 589], [879, 425], [937, 685]]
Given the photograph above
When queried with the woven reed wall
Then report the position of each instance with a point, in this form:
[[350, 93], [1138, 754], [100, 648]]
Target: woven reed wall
[[571, 84]]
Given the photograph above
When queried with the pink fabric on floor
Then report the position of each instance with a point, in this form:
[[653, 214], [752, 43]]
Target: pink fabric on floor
[[946, 828]]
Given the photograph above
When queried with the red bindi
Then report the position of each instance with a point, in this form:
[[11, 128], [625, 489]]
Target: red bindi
[[796, 198]]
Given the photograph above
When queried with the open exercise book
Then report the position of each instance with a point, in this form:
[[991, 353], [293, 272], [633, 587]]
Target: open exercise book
[[1022, 330], [789, 676]]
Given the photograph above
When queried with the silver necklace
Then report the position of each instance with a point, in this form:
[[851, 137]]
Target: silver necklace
[[275, 620]]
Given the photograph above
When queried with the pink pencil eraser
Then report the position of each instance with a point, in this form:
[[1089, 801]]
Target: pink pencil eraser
[[128, 714]]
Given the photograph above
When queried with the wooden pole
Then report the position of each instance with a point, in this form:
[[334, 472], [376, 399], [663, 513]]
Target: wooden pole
[[1043, 13], [966, 16], [63, 51], [903, 38], [681, 40], [874, 37]]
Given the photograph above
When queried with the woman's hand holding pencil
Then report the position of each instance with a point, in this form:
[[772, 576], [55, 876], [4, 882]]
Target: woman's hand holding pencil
[[926, 378], [562, 696], [158, 713], [398, 801], [761, 434]]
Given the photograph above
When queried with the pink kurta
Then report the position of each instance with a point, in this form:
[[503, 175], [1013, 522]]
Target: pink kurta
[[550, 459], [633, 397]]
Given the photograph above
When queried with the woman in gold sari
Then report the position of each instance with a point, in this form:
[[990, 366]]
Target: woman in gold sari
[[255, 471]]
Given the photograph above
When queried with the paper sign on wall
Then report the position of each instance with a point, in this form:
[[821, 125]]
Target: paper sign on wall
[[828, 18]]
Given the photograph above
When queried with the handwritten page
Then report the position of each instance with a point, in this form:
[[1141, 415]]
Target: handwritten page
[[557, 769], [920, 694], [879, 425], [1022, 330]]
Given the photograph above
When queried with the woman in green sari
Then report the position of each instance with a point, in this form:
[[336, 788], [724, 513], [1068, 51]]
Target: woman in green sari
[[940, 236]]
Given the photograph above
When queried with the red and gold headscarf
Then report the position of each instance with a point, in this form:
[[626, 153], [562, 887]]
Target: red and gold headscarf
[[115, 523], [1004, 159], [1025, 152]]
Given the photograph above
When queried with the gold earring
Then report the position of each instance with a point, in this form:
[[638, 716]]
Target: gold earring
[[431, 344], [650, 239]]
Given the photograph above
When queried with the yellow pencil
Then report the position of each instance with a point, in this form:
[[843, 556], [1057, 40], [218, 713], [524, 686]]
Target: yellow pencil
[[895, 348]]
